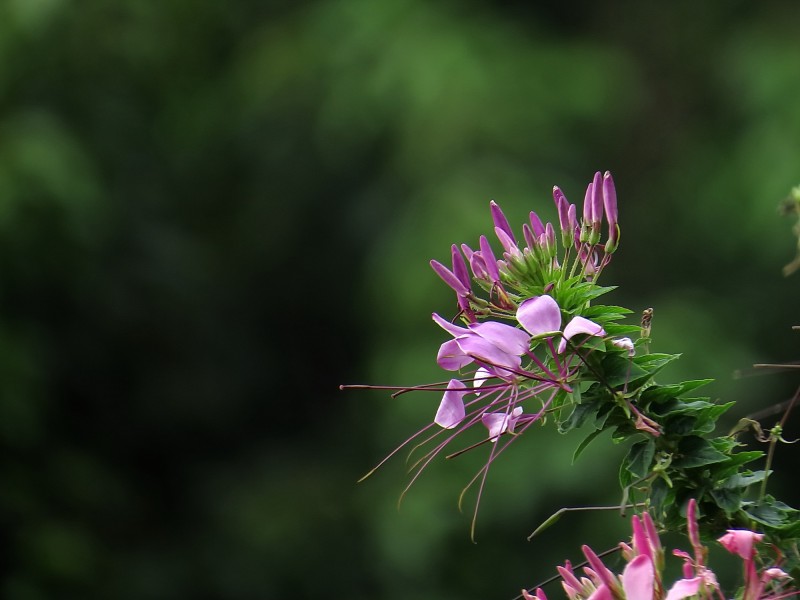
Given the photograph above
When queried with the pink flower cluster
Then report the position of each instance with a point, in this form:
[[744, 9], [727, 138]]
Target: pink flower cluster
[[641, 577]]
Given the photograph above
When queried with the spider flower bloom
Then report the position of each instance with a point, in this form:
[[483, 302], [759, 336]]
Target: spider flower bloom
[[497, 346]]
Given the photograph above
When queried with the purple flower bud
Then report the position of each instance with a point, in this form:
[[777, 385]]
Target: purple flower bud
[[562, 205], [459, 268], [536, 224], [490, 262], [597, 200], [509, 245], [550, 238], [500, 220], [610, 199], [588, 217], [573, 223], [530, 239], [449, 278]]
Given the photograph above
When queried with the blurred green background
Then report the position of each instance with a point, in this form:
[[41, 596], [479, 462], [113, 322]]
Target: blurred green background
[[212, 214]]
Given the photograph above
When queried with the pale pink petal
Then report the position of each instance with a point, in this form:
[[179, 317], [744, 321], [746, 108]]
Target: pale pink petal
[[481, 375], [507, 338], [638, 578], [451, 409], [498, 423], [740, 541], [451, 357], [577, 326], [774, 573], [540, 315], [453, 330], [483, 350], [683, 588]]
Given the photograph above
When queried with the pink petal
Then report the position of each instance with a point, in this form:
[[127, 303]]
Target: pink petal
[[638, 578], [601, 593], [540, 315], [481, 375], [640, 541], [740, 541], [451, 357], [577, 326], [498, 423], [774, 573], [451, 409], [510, 340], [483, 350], [453, 330], [683, 588]]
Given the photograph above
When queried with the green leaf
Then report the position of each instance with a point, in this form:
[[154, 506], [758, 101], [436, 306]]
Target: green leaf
[[600, 310], [586, 441], [653, 363], [661, 393], [616, 330], [694, 451], [618, 370], [743, 480], [679, 425], [640, 457], [728, 500], [579, 415], [770, 512]]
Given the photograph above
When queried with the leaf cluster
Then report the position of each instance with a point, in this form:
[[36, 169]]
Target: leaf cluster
[[685, 460]]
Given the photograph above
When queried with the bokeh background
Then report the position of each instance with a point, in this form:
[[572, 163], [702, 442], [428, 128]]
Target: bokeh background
[[212, 214]]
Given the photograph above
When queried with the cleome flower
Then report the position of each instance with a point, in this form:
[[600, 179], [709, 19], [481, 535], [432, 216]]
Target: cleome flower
[[512, 359]]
